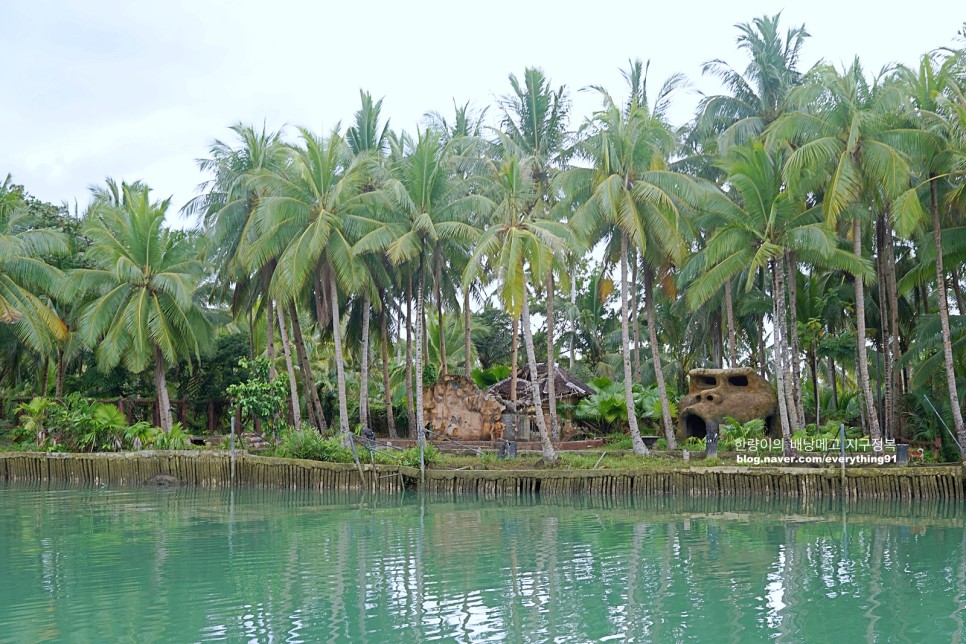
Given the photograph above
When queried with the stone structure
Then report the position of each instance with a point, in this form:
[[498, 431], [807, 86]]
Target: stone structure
[[457, 408], [716, 394]]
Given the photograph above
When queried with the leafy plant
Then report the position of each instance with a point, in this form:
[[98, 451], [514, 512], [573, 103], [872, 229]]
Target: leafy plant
[[259, 396], [486, 378], [177, 438]]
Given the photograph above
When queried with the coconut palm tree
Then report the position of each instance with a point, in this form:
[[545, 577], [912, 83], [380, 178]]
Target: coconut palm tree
[[847, 150], [25, 277], [534, 128], [942, 156], [144, 278], [519, 248], [304, 218], [630, 194], [755, 225]]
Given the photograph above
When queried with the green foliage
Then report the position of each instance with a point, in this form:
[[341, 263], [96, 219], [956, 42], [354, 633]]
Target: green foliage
[[259, 396], [310, 445], [606, 406], [177, 438], [410, 457], [486, 378]]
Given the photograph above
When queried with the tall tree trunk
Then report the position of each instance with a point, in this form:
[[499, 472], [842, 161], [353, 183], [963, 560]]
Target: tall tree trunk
[[944, 318], [885, 332], [515, 332], [896, 337], [549, 453], [656, 357], [778, 313], [269, 329], [863, 358], [161, 385], [410, 409], [467, 344], [636, 441], [45, 376], [386, 388], [61, 373], [296, 409], [635, 319], [364, 364], [954, 278], [420, 330], [439, 313], [813, 369], [312, 401], [835, 392], [793, 348], [339, 359], [573, 319], [551, 364], [730, 312]]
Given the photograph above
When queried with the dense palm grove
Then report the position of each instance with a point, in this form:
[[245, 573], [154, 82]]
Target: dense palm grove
[[805, 223]]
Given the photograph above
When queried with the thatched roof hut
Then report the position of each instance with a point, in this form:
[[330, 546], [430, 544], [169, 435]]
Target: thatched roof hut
[[567, 386]]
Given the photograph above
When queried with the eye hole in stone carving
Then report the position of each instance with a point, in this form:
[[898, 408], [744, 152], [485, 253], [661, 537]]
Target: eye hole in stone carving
[[707, 381], [738, 381]]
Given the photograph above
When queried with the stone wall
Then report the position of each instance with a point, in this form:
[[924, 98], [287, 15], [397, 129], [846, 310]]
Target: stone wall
[[457, 408]]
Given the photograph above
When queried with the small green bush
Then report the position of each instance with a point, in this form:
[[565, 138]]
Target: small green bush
[[310, 445]]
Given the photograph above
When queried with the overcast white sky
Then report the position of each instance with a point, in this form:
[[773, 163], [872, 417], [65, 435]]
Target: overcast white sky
[[133, 90]]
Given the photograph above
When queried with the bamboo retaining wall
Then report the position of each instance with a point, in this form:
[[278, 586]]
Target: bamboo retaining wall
[[212, 469]]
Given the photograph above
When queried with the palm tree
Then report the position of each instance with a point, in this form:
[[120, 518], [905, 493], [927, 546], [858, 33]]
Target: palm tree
[[226, 205], [369, 144], [144, 277], [520, 249], [755, 225], [423, 219], [630, 193], [24, 275], [305, 218], [534, 128], [845, 149], [941, 157], [758, 95]]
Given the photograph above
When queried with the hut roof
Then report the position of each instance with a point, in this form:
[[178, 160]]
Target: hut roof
[[565, 384]]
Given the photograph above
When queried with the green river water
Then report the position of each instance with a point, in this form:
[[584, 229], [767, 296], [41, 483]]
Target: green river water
[[187, 565]]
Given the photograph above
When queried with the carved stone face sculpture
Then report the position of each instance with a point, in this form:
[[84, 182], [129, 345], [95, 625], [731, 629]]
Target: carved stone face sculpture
[[716, 394]]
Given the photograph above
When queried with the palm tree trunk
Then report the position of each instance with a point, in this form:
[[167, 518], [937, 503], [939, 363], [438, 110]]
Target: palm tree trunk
[[161, 385], [549, 453], [339, 358], [439, 313], [467, 346], [813, 368], [420, 330], [730, 312], [863, 358], [551, 364], [635, 319], [835, 391], [573, 319], [410, 411], [885, 333], [270, 331], [794, 350], [778, 313], [61, 373], [954, 278], [296, 415], [944, 319], [896, 336], [386, 388], [45, 376], [636, 441], [656, 357], [364, 364], [513, 363], [312, 401]]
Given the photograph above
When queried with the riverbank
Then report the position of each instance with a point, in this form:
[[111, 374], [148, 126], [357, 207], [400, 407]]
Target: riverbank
[[214, 469]]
